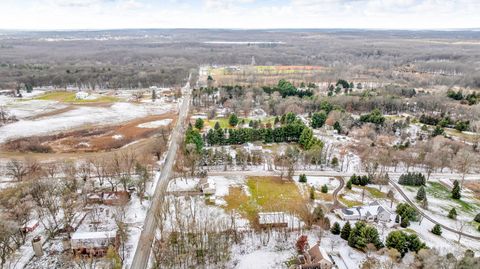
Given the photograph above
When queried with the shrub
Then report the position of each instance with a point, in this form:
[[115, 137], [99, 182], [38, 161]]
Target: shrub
[[324, 189], [302, 178], [406, 212], [335, 228], [404, 242], [361, 235], [452, 213], [477, 218], [349, 184], [437, 230]]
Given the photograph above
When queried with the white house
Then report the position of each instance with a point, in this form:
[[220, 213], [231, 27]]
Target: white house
[[372, 212], [208, 186]]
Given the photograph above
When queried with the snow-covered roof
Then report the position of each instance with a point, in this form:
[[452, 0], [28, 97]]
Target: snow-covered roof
[[93, 239], [94, 235], [373, 209]]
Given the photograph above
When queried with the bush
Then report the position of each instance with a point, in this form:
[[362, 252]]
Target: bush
[[199, 123], [302, 178], [361, 235], [452, 213], [406, 212], [335, 228], [437, 230], [405, 222], [349, 184], [404, 242], [324, 189], [374, 117], [412, 179], [477, 218]]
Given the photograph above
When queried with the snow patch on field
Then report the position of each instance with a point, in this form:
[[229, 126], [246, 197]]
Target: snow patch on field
[[155, 124], [183, 184], [118, 112]]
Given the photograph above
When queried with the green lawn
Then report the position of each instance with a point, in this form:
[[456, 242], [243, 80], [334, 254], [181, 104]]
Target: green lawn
[[224, 121], [268, 194], [374, 192], [440, 191], [69, 97], [348, 203]]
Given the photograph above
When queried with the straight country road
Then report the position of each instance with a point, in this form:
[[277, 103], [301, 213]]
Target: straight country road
[[144, 247]]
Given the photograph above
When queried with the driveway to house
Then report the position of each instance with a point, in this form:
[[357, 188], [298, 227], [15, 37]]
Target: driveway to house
[[144, 247]]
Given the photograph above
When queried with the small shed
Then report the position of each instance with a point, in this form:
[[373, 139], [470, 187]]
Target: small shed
[[93, 243]]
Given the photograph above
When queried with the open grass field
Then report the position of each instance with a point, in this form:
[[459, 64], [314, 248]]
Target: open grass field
[[439, 191], [69, 97], [225, 125], [374, 192], [347, 202], [267, 194], [265, 75]]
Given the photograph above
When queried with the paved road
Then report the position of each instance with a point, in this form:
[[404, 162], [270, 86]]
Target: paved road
[[336, 203], [142, 253], [425, 215]]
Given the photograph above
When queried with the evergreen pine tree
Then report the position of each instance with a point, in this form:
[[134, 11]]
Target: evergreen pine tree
[[324, 189], [421, 194], [456, 190], [453, 213], [437, 229], [405, 222], [312, 193], [335, 228], [345, 233], [349, 184]]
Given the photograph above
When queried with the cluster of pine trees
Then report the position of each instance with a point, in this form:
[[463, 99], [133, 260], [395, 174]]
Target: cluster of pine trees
[[361, 235], [359, 180], [412, 179]]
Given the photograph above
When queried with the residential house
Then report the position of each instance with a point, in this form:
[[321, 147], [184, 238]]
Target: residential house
[[315, 258], [93, 243], [372, 212]]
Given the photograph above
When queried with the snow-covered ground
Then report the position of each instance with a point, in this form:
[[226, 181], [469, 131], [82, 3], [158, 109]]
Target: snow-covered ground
[[80, 116], [155, 124]]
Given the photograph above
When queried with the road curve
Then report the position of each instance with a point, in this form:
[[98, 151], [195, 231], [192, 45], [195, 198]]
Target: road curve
[[336, 203], [144, 247], [394, 184]]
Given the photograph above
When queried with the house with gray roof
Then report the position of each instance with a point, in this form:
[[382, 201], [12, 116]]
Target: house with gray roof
[[372, 212]]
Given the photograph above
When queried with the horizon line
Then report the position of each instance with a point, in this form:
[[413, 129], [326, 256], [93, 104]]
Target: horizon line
[[231, 29]]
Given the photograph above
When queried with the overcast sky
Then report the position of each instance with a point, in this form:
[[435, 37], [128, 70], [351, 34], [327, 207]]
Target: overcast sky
[[114, 14]]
